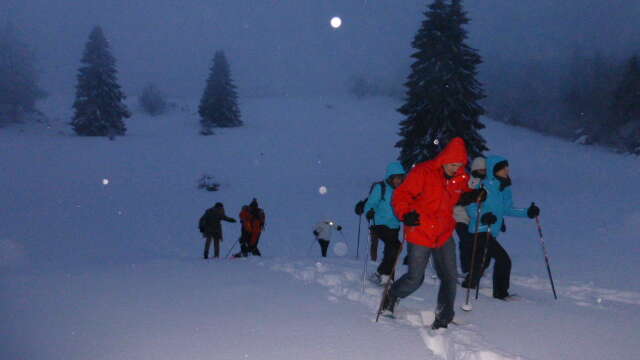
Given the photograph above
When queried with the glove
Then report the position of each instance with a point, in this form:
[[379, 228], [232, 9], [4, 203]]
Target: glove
[[412, 219], [201, 229], [533, 211], [370, 214], [472, 197], [339, 228], [480, 194], [488, 219], [232, 220], [315, 232]]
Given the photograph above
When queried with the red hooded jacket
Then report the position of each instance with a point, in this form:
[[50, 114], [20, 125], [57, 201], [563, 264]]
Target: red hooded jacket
[[253, 223], [429, 192]]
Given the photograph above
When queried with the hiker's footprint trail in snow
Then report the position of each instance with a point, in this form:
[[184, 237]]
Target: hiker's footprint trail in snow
[[458, 342]]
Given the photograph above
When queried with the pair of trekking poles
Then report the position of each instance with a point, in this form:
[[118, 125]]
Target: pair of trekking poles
[[470, 280], [467, 306]]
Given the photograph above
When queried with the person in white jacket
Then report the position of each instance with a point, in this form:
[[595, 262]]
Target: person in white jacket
[[465, 240], [322, 232]]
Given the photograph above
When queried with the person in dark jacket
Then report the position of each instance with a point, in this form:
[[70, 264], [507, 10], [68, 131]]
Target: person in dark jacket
[[211, 228]]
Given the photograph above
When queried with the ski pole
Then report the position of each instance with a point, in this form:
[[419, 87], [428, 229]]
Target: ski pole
[[546, 257], [484, 258], [358, 243], [467, 306], [366, 259], [311, 247], [230, 250]]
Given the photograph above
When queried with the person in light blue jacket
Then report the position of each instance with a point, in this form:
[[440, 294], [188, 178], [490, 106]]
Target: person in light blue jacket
[[498, 204], [386, 225]]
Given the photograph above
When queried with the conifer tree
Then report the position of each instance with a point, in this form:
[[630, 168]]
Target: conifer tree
[[219, 102], [99, 106], [442, 90]]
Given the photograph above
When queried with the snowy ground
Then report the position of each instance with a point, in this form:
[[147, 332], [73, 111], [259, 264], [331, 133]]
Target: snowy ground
[[113, 271]]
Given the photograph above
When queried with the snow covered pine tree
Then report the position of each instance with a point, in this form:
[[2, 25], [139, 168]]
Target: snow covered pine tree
[[99, 107], [219, 102], [442, 90]]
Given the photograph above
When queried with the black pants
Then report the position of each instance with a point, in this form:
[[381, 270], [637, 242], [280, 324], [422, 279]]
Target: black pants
[[216, 247], [374, 246], [501, 268], [324, 246], [391, 246], [465, 245], [245, 248]]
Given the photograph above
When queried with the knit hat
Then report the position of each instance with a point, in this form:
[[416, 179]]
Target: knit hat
[[479, 163]]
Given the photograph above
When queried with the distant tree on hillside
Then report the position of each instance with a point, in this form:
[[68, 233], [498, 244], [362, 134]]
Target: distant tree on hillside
[[99, 104], [219, 102], [152, 101]]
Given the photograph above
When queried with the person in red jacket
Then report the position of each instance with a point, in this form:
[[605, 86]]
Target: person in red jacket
[[253, 219], [424, 203]]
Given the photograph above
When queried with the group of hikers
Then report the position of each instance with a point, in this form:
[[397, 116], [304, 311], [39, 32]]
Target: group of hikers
[[252, 220], [435, 198]]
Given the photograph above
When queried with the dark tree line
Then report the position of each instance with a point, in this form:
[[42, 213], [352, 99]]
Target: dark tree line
[[19, 86], [99, 105], [590, 99]]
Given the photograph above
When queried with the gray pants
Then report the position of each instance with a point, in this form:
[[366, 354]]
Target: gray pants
[[444, 260]]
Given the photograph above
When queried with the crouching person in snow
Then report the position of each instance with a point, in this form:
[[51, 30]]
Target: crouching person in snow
[[252, 218], [425, 202], [211, 228], [499, 203], [386, 225], [465, 238], [322, 232]]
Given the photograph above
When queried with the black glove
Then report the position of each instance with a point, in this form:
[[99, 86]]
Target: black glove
[[411, 219], [472, 196], [315, 232], [533, 211], [481, 194], [339, 228], [232, 220], [370, 214], [488, 219]]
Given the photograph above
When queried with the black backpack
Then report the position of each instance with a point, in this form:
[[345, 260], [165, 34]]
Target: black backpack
[[359, 209]]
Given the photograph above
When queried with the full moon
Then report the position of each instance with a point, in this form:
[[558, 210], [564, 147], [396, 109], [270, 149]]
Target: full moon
[[105, 181], [322, 190], [336, 22]]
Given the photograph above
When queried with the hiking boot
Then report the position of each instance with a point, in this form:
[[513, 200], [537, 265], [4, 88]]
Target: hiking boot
[[389, 303], [438, 324], [376, 278]]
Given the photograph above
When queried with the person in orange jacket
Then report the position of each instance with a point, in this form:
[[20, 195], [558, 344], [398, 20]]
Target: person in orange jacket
[[252, 218], [424, 202]]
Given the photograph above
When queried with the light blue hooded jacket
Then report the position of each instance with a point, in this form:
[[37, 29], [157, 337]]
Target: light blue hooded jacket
[[500, 203], [382, 207]]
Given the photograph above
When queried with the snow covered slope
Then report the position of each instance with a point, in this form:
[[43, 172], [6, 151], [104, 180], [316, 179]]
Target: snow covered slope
[[111, 269]]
